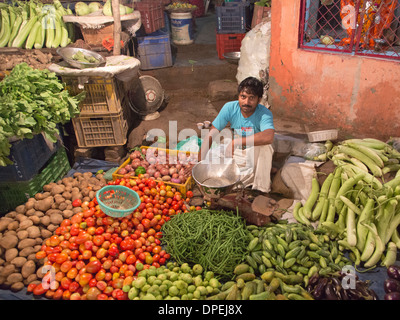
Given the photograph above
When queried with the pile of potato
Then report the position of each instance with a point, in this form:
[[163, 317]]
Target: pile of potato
[[23, 230]]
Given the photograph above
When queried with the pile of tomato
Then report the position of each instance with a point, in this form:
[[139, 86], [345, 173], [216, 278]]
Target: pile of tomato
[[92, 256]]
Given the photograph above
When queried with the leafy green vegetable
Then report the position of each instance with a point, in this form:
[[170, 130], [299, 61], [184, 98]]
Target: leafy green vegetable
[[140, 170], [33, 101]]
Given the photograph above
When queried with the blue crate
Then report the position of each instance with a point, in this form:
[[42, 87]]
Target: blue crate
[[233, 17], [154, 51], [28, 157]]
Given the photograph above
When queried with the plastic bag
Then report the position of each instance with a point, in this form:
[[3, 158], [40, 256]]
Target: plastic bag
[[395, 142], [308, 150], [255, 51]]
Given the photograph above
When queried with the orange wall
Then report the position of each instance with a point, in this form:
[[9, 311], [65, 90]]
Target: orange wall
[[358, 95]]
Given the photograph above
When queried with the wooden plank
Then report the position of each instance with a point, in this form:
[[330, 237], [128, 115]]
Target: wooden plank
[[117, 28]]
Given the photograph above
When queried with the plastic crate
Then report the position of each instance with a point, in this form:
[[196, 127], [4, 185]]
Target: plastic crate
[[28, 157], [152, 15], [181, 187], [102, 94], [100, 130], [316, 136], [228, 43], [233, 17], [13, 194], [154, 51]]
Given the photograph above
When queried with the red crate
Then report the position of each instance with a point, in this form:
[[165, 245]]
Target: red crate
[[228, 42], [152, 15]]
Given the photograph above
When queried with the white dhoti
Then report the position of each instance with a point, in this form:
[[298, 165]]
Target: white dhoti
[[255, 165]]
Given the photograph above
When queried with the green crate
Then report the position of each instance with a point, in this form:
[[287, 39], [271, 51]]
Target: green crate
[[13, 194]]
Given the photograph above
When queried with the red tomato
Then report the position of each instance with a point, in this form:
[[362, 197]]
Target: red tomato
[[189, 194], [94, 266], [77, 203]]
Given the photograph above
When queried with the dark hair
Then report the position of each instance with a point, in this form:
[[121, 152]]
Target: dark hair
[[251, 85]]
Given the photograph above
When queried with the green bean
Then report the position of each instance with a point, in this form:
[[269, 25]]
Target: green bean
[[215, 239]]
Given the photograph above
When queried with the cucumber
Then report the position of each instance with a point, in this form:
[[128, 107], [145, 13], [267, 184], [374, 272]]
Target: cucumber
[[247, 276], [241, 268]]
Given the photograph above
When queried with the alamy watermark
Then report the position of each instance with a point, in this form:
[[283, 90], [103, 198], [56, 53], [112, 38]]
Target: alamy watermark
[[221, 138]]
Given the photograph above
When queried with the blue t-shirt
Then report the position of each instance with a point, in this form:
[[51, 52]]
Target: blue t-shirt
[[259, 121]]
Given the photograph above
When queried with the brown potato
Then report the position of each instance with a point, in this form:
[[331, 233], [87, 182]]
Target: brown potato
[[28, 268], [33, 232], [45, 204], [18, 261], [21, 209], [26, 243], [35, 220], [13, 225], [11, 254], [17, 286], [25, 224], [26, 252], [7, 270], [22, 234], [4, 222], [9, 241], [14, 277]]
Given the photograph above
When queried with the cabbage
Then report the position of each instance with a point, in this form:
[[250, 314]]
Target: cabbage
[[94, 6], [122, 9], [107, 11], [82, 9], [128, 9]]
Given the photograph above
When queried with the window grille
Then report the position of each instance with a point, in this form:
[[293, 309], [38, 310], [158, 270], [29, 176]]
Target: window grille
[[359, 27]]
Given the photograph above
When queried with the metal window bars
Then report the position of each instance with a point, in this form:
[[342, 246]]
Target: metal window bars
[[359, 27]]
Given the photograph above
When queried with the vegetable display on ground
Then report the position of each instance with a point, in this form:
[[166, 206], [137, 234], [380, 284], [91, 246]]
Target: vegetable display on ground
[[355, 203], [217, 240], [159, 164]]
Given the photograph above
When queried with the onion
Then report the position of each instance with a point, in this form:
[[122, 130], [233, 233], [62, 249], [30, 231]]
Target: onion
[[175, 175], [135, 163], [144, 150], [145, 164], [176, 180], [128, 167], [151, 171], [151, 160], [178, 166], [122, 171], [159, 167], [135, 154], [162, 160], [182, 178], [157, 174], [164, 172], [172, 170]]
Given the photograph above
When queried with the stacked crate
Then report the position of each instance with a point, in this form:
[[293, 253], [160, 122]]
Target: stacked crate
[[233, 21], [154, 50], [151, 14], [153, 40], [103, 118]]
